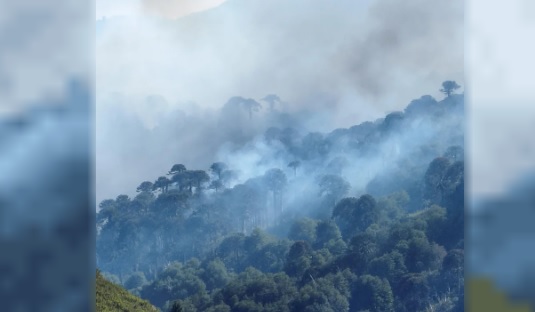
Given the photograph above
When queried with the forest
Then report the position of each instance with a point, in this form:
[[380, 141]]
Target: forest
[[365, 218]]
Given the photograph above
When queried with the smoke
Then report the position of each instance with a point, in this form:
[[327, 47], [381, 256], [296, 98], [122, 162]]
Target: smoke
[[161, 83]]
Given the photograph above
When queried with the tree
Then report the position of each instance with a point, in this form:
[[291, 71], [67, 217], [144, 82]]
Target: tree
[[276, 181], [145, 187], [356, 214], [162, 183], [314, 146], [373, 294], [250, 105], [122, 202], [420, 106], [390, 266], [434, 179], [453, 268], [177, 168], [271, 99], [199, 177], [413, 291], [298, 259], [333, 187], [176, 307], [216, 185], [215, 274], [190, 179], [392, 122], [245, 200], [364, 246], [303, 229], [217, 168], [230, 249], [183, 180], [294, 165], [448, 87], [328, 236], [422, 255], [171, 203]]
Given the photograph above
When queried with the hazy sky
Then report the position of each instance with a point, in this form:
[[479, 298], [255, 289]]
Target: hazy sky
[[165, 8]]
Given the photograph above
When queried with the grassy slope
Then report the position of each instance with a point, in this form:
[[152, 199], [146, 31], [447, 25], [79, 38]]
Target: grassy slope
[[112, 298]]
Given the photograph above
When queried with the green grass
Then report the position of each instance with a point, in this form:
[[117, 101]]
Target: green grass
[[113, 298]]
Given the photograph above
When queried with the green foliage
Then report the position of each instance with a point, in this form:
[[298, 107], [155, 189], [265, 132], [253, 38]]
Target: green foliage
[[355, 215], [328, 236], [333, 187], [145, 187], [303, 229], [299, 259], [112, 298], [267, 243], [373, 294], [413, 292], [175, 282], [177, 168], [215, 274], [390, 266], [329, 293], [391, 207]]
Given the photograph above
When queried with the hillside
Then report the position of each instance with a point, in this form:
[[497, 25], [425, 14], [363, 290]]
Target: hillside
[[111, 297], [368, 217]]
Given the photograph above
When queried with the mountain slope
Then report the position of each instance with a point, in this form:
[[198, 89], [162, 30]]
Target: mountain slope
[[111, 297]]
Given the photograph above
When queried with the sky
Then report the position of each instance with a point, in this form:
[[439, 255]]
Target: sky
[[338, 65], [165, 8]]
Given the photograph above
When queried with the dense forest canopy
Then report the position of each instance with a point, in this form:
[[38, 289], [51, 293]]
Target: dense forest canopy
[[366, 218]]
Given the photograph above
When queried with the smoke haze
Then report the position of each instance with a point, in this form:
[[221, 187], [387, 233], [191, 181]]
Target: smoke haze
[[162, 83]]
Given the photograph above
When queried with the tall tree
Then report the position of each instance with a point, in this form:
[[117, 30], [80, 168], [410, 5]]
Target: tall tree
[[162, 183], [216, 185], [272, 100], [217, 168], [199, 177], [145, 186], [182, 180], [333, 187], [434, 179], [177, 168], [294, 165], [276, 181], [449, 87], [251, 106]]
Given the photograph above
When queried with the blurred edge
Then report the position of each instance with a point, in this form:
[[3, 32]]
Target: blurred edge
[[46, 155], [483, 296], [500, 125]]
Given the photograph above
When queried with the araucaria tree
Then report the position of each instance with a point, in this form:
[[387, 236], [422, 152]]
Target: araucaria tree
[[449, 87], [276, 181]]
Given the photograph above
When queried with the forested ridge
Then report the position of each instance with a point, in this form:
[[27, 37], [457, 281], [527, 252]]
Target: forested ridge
[[366, 218]]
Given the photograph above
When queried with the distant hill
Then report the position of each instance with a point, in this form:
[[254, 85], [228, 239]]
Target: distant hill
[[112, 297]]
